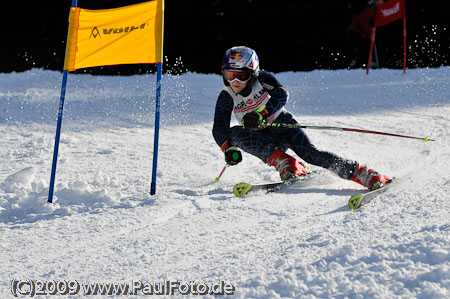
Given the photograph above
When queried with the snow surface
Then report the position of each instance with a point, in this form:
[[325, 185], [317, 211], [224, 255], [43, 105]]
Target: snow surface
[[302, 242]]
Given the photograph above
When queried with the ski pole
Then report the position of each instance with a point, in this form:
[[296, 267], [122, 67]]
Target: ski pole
[[268, 124], [216, 179]]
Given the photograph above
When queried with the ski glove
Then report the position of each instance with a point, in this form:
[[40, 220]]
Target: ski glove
[[255, 120], [233, 155]]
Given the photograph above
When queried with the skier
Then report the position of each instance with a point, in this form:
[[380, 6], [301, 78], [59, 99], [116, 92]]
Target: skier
[[256, 97], [358, 35]]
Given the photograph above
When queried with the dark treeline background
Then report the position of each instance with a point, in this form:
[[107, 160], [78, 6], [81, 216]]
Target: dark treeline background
[[287, 35]]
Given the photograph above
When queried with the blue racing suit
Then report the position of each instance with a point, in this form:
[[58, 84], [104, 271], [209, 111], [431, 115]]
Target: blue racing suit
[[263, 142]]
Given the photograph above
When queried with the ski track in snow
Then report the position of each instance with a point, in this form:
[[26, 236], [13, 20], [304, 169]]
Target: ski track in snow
[[301, 242]]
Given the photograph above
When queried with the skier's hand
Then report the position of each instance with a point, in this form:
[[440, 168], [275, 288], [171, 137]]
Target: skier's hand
[[233, 155], [255, 120], [252, 120]]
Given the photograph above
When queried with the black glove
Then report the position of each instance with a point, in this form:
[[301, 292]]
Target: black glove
[[232, 155], [252, 120], [255, 120]]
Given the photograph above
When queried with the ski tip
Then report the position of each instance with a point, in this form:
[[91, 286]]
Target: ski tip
[[355, 201], [241, 189]]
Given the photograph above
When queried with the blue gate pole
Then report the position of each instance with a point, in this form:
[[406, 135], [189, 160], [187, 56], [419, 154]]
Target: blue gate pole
[[58, 133], [58, 129], [156, 139]]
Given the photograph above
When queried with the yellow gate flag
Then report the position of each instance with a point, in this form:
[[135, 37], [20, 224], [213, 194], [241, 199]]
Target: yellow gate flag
[[125, 35]]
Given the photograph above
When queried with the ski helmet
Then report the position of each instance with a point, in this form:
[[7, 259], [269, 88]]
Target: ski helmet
[[241, 59]]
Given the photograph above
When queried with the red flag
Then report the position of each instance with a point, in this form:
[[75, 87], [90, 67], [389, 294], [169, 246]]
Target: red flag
[[389, 11]]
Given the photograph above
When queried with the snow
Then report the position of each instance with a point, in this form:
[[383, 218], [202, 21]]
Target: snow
[[303, 242]]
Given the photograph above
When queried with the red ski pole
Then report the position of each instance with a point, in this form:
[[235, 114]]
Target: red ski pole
[[216, 179], [426, 139]]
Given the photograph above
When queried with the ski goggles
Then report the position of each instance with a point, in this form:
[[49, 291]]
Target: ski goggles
[[241, 76]]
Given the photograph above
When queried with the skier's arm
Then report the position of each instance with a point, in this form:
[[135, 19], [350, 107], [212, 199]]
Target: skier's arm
[[221, 128], [278, 94]]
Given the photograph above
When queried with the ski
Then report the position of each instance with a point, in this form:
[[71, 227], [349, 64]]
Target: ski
[[244, 188], [359, 200]]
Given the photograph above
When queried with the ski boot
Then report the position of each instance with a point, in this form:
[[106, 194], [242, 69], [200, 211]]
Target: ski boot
[[287, 166], [369, 178]]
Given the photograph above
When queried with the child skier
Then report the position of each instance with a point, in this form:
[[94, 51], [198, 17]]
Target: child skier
[[256, 97]]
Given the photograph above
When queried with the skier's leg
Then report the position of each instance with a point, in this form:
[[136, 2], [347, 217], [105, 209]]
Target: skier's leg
[[299, 142], [344, 168], [254, 142], [263, 145]]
